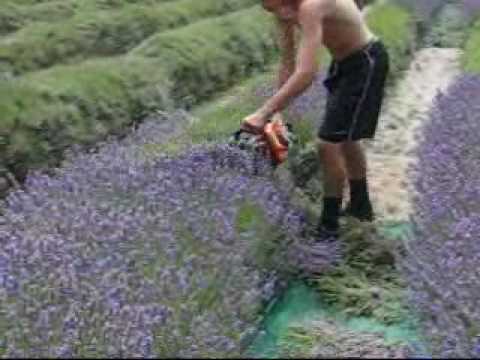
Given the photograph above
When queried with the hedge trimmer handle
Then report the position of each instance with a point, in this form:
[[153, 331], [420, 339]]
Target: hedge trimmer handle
[[274, 140]]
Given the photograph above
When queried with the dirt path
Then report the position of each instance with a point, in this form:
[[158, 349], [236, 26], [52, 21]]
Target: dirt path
[[431, 70]]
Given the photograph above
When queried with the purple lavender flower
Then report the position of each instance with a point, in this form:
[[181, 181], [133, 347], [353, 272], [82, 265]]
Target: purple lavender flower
[[443, 256], [309, 105], [124, 254], [471, 8]]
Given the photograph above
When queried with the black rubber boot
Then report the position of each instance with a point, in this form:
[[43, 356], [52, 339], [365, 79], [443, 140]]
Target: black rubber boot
[[360, 206], [328, 226], [362, 213]]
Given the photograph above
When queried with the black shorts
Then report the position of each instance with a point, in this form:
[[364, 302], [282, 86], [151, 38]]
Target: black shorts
[[355, 94]]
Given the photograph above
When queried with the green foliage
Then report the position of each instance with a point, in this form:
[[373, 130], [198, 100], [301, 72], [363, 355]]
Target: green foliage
[[45, 112], [268, 243], [212, 55], [17, 14], [367, 283], [394, 25], [449, 29], [471, 57], [13, 16], [81, 103], [102, 33], [217, 120]]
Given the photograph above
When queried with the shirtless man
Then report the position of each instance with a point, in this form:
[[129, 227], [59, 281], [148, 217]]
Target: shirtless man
[[355, 84]]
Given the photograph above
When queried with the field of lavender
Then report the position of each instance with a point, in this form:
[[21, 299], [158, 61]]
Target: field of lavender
[[167, 242]]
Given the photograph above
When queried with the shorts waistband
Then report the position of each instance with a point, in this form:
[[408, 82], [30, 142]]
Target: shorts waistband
[[357, 55]]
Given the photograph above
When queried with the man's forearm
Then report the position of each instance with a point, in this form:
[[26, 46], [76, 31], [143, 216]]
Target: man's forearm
[[293, 87], [287, 68]]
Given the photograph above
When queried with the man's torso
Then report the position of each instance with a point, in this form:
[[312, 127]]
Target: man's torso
[[344, 28]]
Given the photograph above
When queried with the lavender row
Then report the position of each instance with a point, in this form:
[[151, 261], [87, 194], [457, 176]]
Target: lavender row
[[443, 255], [310, 105], [121, 254], [471, 8], [424, 9]]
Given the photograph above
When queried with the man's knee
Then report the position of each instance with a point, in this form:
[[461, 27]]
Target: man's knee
[[350, 148], [327, 147]]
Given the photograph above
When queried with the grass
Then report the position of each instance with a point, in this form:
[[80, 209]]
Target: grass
[[395, 27], [471, 56], [216, 120]]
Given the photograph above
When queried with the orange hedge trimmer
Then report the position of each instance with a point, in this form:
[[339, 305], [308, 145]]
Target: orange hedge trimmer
[[273, 143]]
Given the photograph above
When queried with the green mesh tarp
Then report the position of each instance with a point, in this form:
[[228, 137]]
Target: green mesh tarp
[[300, 303]]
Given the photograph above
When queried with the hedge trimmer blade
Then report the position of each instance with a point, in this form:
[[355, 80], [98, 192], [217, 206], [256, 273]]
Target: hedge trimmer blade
[[247, 141]]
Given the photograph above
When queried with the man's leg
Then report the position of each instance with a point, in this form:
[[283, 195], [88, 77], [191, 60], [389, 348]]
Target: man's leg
[[331, 157], [356, 165]]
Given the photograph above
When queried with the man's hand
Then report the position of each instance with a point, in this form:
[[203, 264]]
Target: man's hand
[[254, 123]]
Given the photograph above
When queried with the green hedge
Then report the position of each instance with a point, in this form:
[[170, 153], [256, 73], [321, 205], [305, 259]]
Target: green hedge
[[44, 112], [471, 56], [14, 17], [26, 2], [395, 26], [103, 3], [17, 14], [48, 111], [102, 33], [211, 55]]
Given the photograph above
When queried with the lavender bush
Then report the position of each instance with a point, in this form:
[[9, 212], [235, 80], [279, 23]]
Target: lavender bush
[[309, 103], [426, 10], [449, 29], [305, 114], [471, 8], [423, 9], [425, 13], [122, 254], [441, 261]]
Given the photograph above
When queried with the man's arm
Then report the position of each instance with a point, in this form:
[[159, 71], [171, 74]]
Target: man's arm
[[310, 19], [286, 39]]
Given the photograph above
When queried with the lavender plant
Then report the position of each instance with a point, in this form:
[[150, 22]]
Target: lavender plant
[[309, 103], [423, 9], [305, 114], [442, 257], [425, 14], [449, 28], [121, 254], [471, 8]]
